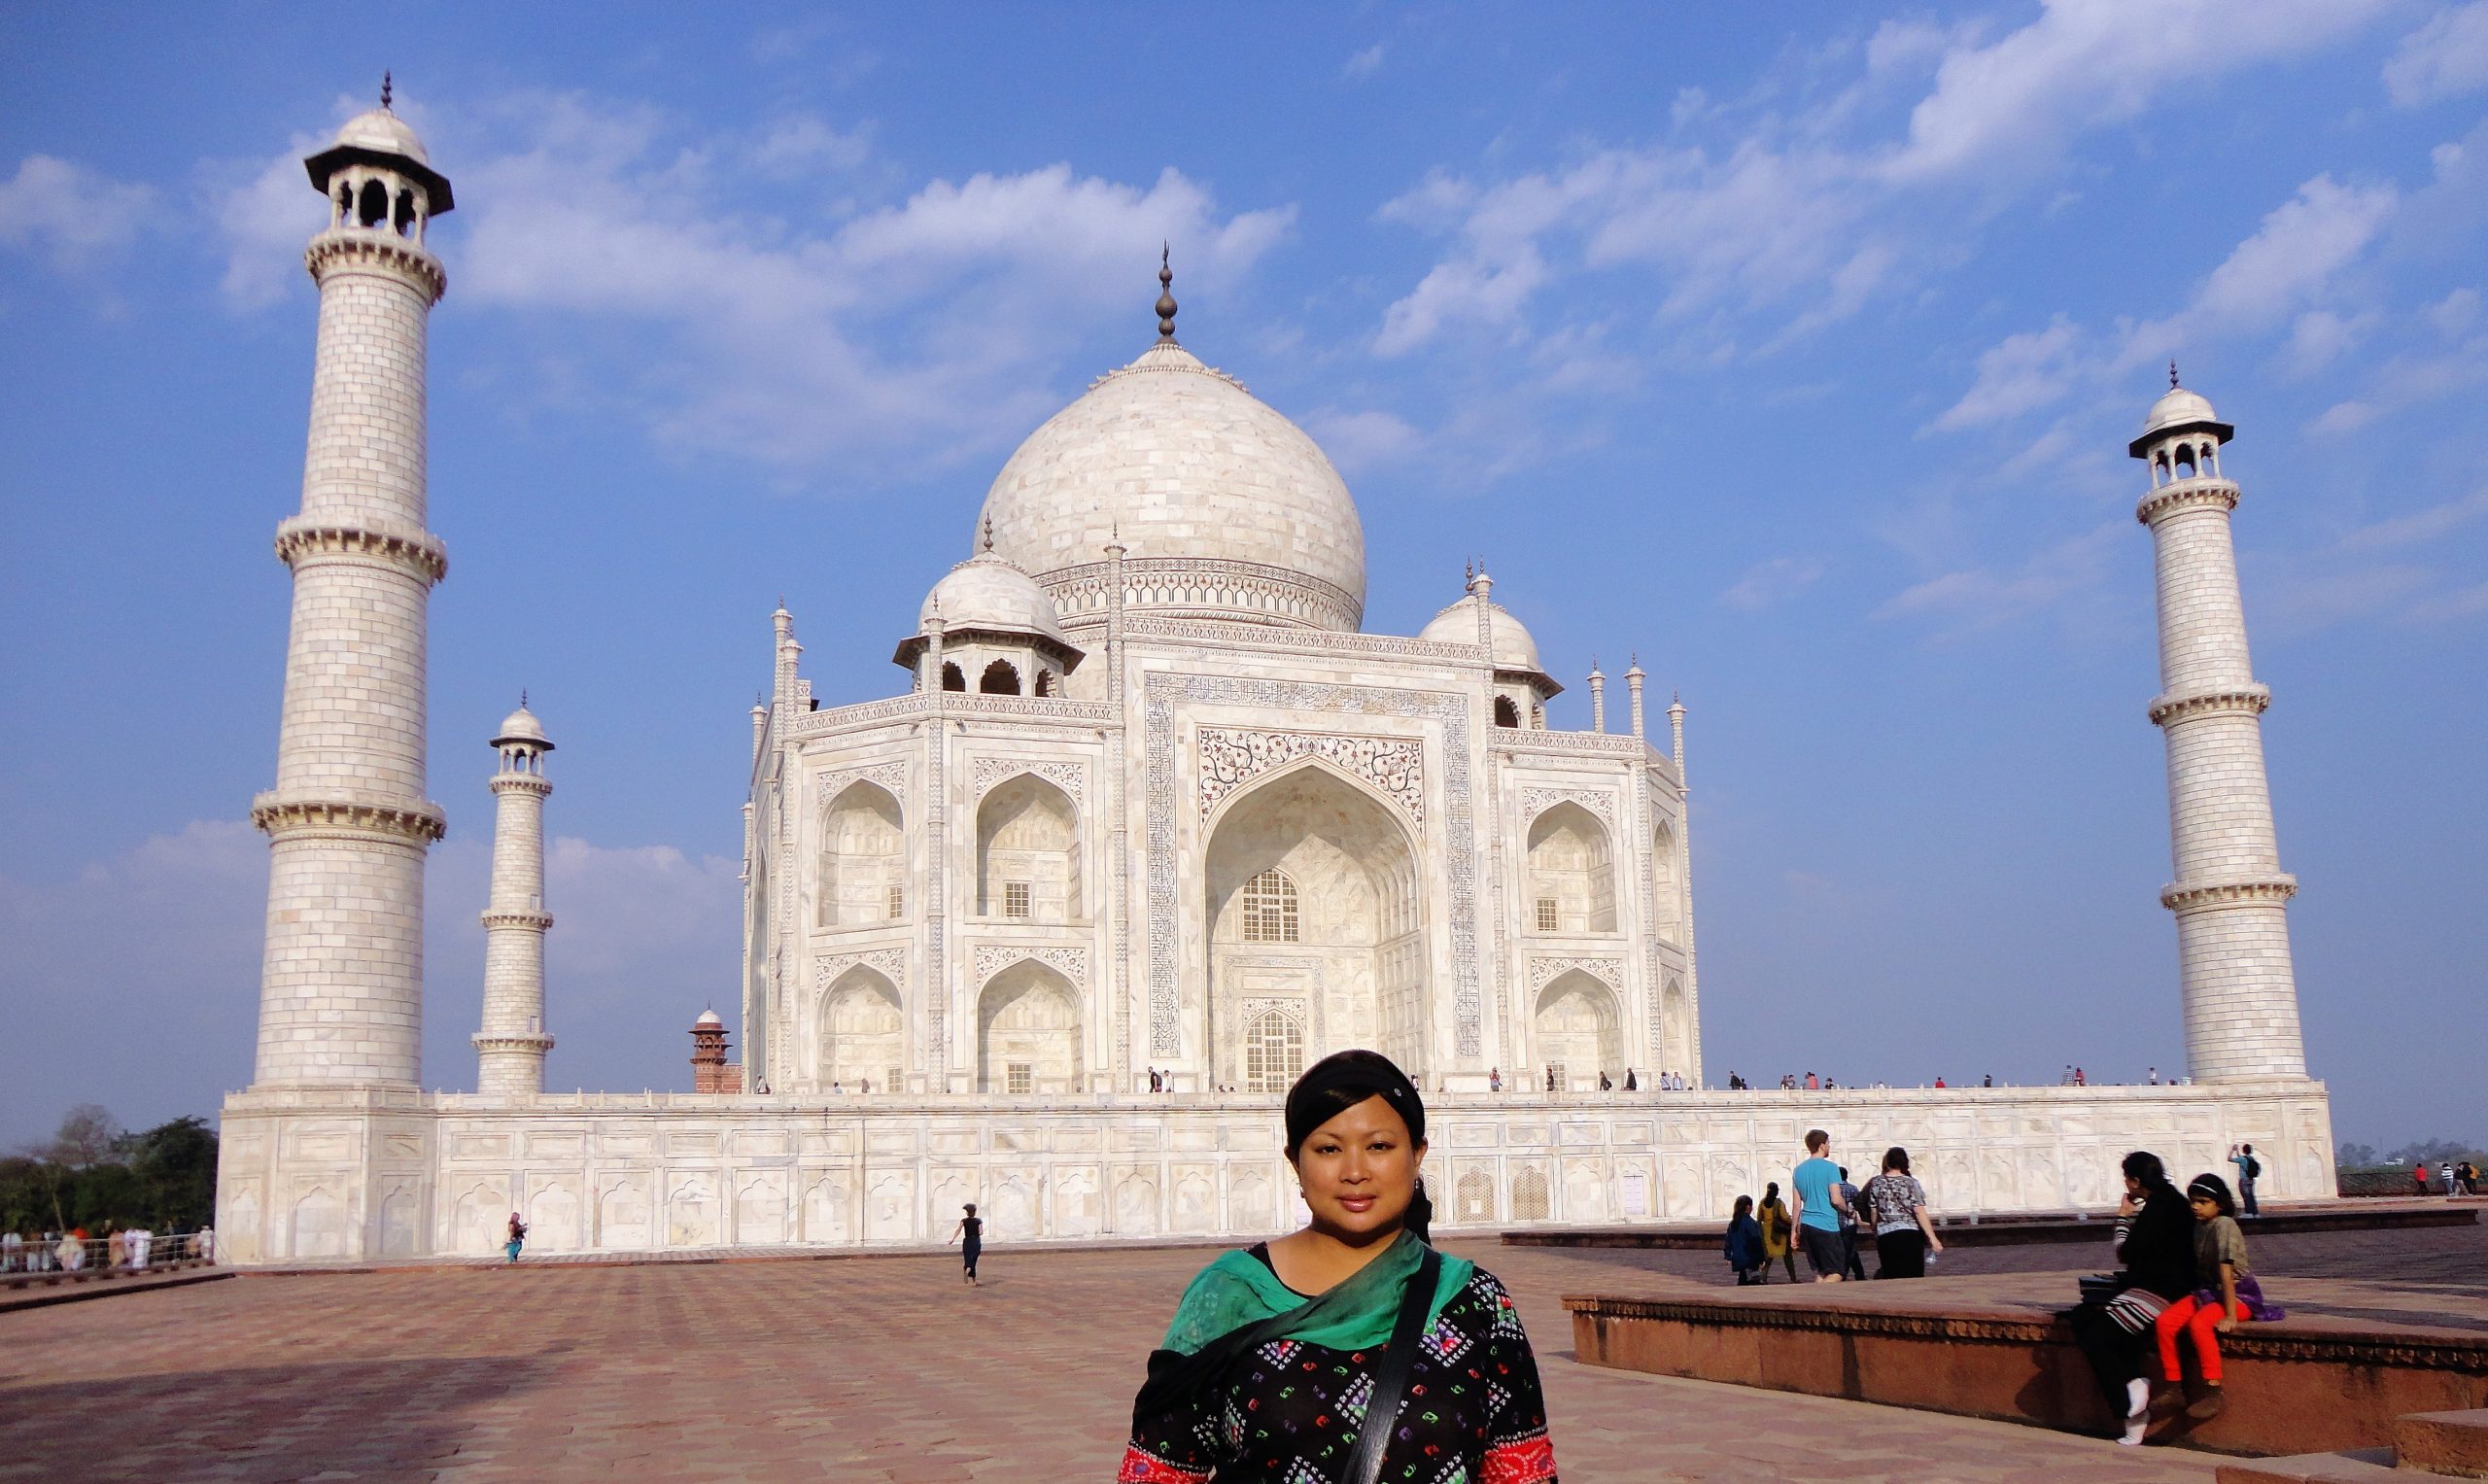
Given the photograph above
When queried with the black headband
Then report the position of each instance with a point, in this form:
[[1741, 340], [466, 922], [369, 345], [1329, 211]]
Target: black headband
[[1368, 1072]]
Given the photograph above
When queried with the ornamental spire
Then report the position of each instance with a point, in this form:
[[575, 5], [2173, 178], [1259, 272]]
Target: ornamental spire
[[386, 79], [2172, 375], [1165, 294]]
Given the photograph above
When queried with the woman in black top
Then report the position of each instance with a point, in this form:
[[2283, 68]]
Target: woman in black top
[[2156, 1243], [971, 1226]]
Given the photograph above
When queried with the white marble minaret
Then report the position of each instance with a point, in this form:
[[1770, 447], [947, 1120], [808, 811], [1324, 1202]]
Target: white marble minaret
[[509, 1050], [2230, 894], [348, 825]]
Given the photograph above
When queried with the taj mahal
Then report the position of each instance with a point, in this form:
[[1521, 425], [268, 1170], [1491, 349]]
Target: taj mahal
[[1144, 805]]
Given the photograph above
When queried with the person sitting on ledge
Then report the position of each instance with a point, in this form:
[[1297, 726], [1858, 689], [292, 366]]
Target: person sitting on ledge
[[2226, 1295], [2155, 1241]]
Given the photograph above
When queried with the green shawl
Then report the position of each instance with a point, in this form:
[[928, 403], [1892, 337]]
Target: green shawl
[[1237, 1303]]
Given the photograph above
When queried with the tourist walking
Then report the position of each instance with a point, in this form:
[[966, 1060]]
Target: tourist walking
[[1354, 1292], [1904, 1234], [2419, 1177], [203, 1245], [13, 1251], [2156, 1243], [2249, 1170], [969, 1233], [517, 1236], [1630, 1083], [2226, 1295], [1776, 1231], [1743, 1246], [1816, 1183], [116, 1247], [1494, 1079], [1852, 1264], [73, 1249], [1605, 1085], [2446, 1171]]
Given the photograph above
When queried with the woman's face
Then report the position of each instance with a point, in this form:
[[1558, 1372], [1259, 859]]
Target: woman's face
[[2206, 1208], [1359, 1169]]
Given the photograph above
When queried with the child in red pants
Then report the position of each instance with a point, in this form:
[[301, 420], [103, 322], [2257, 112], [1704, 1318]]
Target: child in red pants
[[2226, 1295]]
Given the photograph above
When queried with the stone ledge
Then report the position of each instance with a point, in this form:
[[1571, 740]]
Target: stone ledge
[[2013, 1230], [2306, 1385]]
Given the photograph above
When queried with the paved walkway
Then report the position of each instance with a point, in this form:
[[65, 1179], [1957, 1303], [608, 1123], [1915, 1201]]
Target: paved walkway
[[870, 1370]]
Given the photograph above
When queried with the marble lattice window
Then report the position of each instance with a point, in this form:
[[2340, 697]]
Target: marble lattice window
[[1273, 1052], [1549, 918], [898, 903], [1270, 910], [1015, 899], [1020, 1077]]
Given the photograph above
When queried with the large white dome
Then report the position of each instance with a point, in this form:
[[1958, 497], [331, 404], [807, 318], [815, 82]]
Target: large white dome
[[1226, 509]]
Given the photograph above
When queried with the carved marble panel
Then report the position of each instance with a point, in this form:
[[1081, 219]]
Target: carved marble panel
[[1395, 766]]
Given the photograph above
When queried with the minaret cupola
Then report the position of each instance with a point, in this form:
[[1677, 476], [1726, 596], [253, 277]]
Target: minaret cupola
[[377, 175]]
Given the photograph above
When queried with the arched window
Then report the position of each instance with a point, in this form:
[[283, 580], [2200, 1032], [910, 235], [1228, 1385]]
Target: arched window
[[1269, 910], [2185, 461], [1273, 1052], [374, 207], [999, 680], [952, 680], [1529, 1196], [1506, 714], [406, 217]]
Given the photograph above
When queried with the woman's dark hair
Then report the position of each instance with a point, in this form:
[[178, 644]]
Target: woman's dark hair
[[2145, 1166], [1897, 1159], [1338, 1083], [1745, 1208], [2215, 1187], [1771, 1191]]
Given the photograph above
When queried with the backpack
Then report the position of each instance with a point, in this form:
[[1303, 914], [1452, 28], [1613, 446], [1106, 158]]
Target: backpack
[[2254, 1168]]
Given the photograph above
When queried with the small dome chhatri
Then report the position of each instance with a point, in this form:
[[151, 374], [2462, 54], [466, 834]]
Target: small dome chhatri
[[521, 727], [1515, 648], [379, 137], [2178, 410], [987, 592]]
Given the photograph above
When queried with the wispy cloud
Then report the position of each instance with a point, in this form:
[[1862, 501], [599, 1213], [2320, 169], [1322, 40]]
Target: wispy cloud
[[1766, 584], [822, 329], [1365, 63], [1813, 213], [76, 218], [1984, 597], [2444, 58]]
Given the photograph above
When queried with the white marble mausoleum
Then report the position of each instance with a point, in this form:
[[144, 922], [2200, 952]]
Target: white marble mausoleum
[[1144, 798]]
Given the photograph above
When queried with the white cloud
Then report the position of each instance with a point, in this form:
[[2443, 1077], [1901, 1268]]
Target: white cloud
[[2087, 63], [2298, 254], [1810, 217], [1774, 581], [2320, 336], [266, 222], [1982, 596], [76, 217], [2419, 526], [2444, 58], [1365, 63], [2022, 371], [787, 324], [1362, 441]]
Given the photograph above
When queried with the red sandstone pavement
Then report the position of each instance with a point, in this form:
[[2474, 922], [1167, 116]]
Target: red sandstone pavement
[[883, 1370]]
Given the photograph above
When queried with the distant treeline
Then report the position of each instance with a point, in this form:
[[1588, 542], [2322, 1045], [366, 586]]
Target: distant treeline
[[2428, 1152], [97, 1175]]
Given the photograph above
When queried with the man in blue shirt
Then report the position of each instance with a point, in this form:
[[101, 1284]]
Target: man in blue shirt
[[1819, 1204]]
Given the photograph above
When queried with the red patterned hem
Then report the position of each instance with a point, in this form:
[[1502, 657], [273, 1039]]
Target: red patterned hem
[[1529, 1461], [1145, 1468]]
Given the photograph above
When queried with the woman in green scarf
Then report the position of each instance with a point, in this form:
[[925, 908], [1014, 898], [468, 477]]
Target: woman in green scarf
[[1278, 1356]]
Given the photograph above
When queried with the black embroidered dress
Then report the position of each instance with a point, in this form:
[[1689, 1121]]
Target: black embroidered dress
[[1289, 1411]]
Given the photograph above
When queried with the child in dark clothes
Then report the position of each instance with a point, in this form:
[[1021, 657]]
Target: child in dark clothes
[[1744, 1249]]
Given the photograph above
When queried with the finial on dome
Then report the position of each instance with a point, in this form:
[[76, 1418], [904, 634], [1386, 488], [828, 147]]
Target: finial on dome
[[522, 698], [2172, 375], [988, 533], [386, 81], [1165, 293]]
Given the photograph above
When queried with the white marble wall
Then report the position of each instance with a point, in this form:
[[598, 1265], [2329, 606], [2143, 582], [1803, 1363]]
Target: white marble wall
[[344, 1174]]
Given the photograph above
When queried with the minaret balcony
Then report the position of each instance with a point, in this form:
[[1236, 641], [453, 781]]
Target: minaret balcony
[[2202, 491]]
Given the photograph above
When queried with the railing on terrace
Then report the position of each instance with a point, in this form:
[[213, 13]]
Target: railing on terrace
[[51, 1256]]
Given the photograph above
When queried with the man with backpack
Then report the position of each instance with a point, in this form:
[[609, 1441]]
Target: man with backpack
[[2249, 1170]]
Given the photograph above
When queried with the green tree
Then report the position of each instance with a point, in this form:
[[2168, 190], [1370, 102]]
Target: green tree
[[174, 1167]]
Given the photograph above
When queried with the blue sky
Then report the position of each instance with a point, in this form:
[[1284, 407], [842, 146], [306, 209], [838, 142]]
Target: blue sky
[[1795, 352]]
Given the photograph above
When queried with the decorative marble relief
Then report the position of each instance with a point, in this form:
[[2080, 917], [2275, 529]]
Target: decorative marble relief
[[1070, 960], [1071, 777], [1598, 801], [1606, 971], [1394, 765]]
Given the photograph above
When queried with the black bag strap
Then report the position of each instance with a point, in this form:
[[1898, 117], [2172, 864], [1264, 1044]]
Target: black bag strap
[[1390, 1381]]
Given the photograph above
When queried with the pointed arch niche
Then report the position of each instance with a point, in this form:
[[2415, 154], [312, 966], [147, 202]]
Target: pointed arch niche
[[1667, 893], [1027, 852], [1316, 923], [1572, 873], [1676, 1029], [863, 1034], [1027, 1031], [863, 858], [1579, 1029]]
